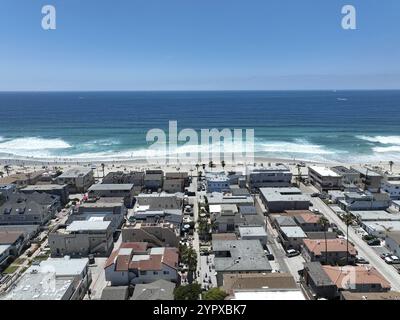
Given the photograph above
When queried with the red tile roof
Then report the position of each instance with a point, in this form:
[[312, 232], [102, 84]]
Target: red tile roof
[[317, 246], [362, 275]]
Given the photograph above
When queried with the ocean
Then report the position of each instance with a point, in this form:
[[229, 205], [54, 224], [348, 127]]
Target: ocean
[[343, 126]]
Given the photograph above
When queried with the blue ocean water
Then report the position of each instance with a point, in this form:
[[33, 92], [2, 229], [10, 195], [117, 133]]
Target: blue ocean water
[[310, 125]]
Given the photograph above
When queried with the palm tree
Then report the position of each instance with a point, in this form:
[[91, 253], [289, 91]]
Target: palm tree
[[324, 224], [197, 168], [223, 164], [102, 167], [204, 166], [347, 219], [7, 168], [298, 173], [211, 164], [391, 163]]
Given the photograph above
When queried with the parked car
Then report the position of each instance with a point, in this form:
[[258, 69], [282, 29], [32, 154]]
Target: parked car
[[395, 259], [374, 242], [388, 260], [361, 260], [292, 253], [315, 194]]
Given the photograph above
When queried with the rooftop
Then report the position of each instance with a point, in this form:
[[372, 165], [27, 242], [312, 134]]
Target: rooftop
[[111, 187], [395, 235], [157, 290], [9, 237], [389, 295], [362, 275], [88, 225], [115, 293], [44, 187], [283, 194], [272, 294], [324, 171], [254, 231], [242, 255], [317, 246], [376, 215], [75, 172], [293, 232]]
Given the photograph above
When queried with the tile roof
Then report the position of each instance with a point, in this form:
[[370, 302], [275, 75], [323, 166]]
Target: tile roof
[[363, 275], [317, 246]]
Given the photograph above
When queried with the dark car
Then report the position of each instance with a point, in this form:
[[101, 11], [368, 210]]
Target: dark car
[[315, 194], [374, 242]]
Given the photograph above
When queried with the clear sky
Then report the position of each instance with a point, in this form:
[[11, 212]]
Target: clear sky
[[199, 45]]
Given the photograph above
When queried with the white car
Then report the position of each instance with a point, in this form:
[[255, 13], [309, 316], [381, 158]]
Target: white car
[[388, 260]]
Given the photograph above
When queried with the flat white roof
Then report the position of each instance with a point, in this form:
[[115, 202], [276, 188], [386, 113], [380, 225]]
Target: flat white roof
[[269, 295], [324, 171], [64, 266], [215, 208], [85, 225], [256, 231], [294, 232], [111, 187]]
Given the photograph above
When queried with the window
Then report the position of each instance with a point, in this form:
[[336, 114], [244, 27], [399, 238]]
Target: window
[[166, 272]]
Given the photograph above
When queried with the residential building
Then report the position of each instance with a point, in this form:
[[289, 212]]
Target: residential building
[[309, 222], [324, 178], [239, 256], [370, 180], [329, 281], [291, 237], [391, 184], [395, 205], [143, 214], [350, 177], [237, 191], [53, 279], [53, 189], [216, 198], [387, 295], [78, 179], [133, 177], [134, 263], [217, 183], [11, 245], [273, 175], [333, 251], [7, 190], [375, 215], [153, 180], [100, 209], [364, 201], [253, 233], [392, 241], [159, 201], [178, 175], [81, 238], [156, 234], [119, 293], [22, 179], [281, 199], [174, 185], [114, 190], [157, 290], [379, 229], [36, 208]]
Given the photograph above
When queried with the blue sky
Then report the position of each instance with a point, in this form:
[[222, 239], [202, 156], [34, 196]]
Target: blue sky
[[199, 45]]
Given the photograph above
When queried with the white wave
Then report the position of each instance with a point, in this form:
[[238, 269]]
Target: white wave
[[391, 149], [299, 146], [381, 139], [32, 143]]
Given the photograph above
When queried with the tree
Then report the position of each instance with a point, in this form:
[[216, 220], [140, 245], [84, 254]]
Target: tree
[[189, 257], [391, 163], [197, 168], [203, 166], [102, 167], [7, 168], [214, 294], [188, 292], [211, 164], [348, 220], [299, 177], [324, 223], [1, 174], [223, 164]]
